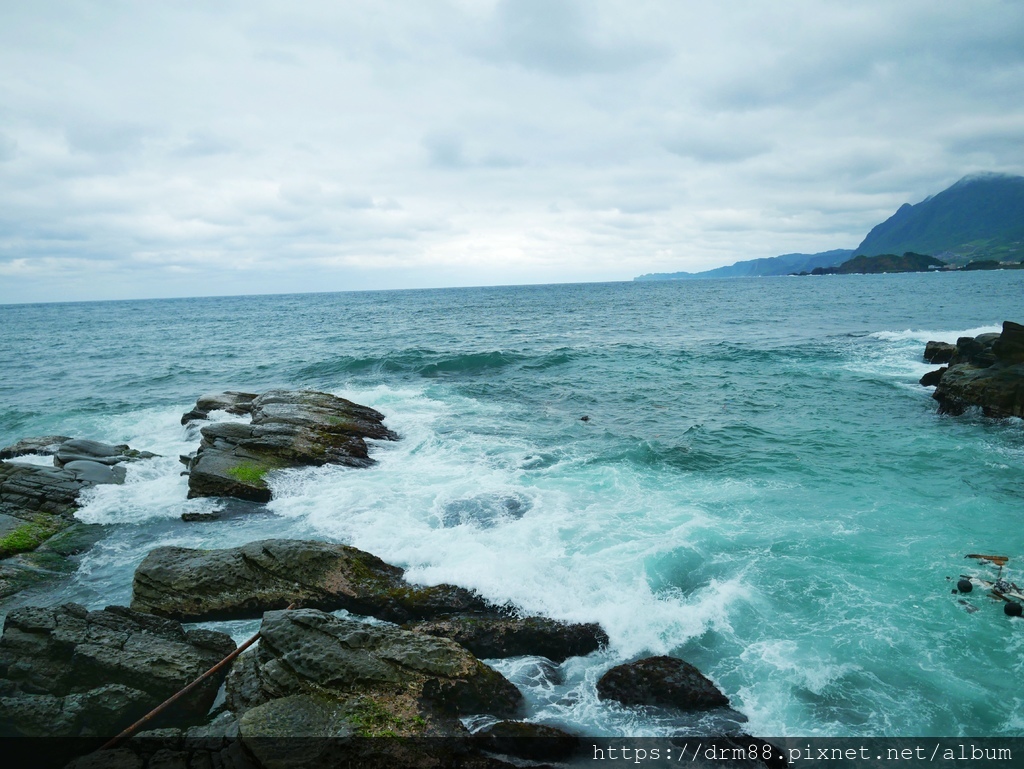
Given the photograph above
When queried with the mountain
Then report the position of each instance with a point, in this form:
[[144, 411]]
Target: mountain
[[869, 265], [979, 217], [774, 265]]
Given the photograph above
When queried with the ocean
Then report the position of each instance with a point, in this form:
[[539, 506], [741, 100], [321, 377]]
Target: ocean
[[762, 487]]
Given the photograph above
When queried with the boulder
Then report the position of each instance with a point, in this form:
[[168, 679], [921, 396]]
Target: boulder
[[288, 429], [492, 637], [939, 352], [662, 681], [70, 672], [378, 678], [988, 372]]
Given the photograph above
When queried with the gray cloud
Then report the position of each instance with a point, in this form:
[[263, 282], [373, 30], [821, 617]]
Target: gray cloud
[[336, 146]]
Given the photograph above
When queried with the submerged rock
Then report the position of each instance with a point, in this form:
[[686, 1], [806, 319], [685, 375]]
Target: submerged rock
[[288, 429], [70, 672], [663, 681], [986, 371]]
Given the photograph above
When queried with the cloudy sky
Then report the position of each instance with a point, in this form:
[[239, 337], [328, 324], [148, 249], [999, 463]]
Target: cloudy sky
[[205, 148]]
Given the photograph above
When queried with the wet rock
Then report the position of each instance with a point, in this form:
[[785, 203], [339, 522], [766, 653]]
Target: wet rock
[[233, 402], [45, 445], [939, 352], [492, 637], [988, 372], [288, 429], [383, 678], [95, 472], [1009, 348], [70, 672], [535, 742], [662, 681], [932, 378], [244, 582], [93, 451], [38, 503], [977, 350]]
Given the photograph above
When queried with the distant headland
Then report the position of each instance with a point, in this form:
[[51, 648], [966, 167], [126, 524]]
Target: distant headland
[[976, 224]]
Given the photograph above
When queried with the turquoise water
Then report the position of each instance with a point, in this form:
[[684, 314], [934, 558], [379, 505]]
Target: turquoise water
[[762, 488]]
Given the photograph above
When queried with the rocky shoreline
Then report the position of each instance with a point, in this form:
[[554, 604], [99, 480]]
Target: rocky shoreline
[[986, 372], [353, 663]]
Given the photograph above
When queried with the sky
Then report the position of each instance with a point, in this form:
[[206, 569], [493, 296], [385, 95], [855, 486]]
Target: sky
[[210, 148]]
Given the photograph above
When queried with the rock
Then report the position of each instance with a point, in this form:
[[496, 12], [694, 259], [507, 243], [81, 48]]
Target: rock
[[664, 681], [383, 679], [96, 452], [37, 503], [986, 371], [939, 352], [70, 672], [493, 637], [232, 402], [534, 742], [46, 445], [288, 429], [95, 472], [932, 378], [246, 581], [1009, 348], [26, 490], [976, 351]]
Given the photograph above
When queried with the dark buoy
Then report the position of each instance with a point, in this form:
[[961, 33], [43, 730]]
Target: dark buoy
[[1013, 609], [964, 586]]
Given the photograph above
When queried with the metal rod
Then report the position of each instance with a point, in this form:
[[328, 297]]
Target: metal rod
[[113, 743]]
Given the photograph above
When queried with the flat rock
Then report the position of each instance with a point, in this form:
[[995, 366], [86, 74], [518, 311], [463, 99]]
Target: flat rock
[[246, 581], [288, 429], [662, 681], [67, 671]]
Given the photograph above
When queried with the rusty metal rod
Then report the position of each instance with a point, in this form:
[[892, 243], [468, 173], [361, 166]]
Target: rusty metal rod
[[113, 743]]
